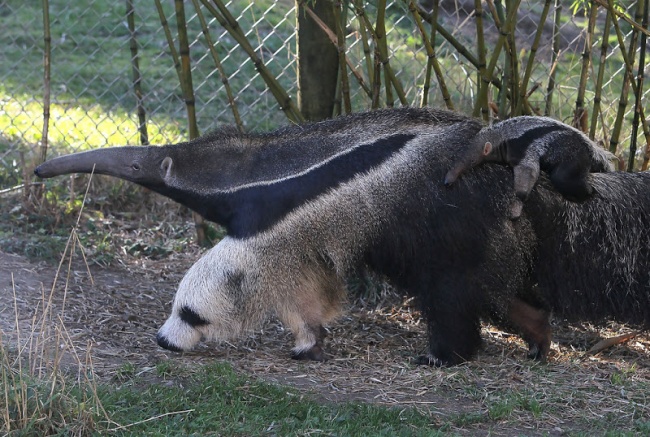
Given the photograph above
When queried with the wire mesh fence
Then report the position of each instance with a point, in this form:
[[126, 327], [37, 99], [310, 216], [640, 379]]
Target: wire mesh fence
[[92, 68]]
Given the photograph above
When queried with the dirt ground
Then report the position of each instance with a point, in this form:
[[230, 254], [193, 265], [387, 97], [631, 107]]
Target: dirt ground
[[117, 310]]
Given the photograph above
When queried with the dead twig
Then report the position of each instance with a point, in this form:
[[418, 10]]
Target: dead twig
[[606, 343]]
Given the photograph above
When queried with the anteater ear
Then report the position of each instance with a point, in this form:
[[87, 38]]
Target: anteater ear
[[487, 148], [166, 167]]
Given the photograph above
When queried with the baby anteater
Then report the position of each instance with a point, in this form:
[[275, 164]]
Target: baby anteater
[[529, 144]]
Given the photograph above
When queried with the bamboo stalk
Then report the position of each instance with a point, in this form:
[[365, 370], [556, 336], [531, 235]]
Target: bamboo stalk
[[496, 8], [170, 40], [381, 44], [381, 51], [638, 93], [376, 76], [343, 71], [530, 63], [432, 61], [550, 88], [200, 225], [186, 69], [627, 81], [217, 63], [338, 92], [345, 6], [635, 24], [600, 76], [462, 49], [579, 112], [513, 61], [366, 46], [630, 64], [426, 86], [376, 84], [137, 77], [480, 48], [374, 72], [47, 53], [225, 19], [489, 72]]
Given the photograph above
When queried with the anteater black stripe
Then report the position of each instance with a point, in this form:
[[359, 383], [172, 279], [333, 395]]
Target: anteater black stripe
[[189, 316], [518, 146], [260, 207]]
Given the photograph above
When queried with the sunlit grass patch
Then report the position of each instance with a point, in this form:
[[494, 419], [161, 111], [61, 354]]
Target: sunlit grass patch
[[79, 127]]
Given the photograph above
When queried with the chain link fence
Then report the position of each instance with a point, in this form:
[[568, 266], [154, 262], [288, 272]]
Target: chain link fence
[[94, 104]]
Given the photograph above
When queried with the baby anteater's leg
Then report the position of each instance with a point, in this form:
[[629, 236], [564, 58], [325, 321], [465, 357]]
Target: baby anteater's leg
[[571, 180], [526, 175]]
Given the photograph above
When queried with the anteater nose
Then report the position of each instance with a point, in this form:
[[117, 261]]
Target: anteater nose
[[165, 344], [37, 171]]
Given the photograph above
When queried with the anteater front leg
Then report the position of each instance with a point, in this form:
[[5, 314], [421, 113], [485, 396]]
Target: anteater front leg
[[306, 323], [309, 336], [454, 335], [305, 349]]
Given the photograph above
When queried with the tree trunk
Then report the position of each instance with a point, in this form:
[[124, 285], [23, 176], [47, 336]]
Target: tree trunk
[[318, 62]]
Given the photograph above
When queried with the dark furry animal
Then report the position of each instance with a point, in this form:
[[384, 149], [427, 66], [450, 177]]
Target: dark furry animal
[[393, 220], [456, 250], [531, 144]]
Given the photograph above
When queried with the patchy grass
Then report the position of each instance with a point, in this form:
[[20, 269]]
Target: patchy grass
[[212, 398]]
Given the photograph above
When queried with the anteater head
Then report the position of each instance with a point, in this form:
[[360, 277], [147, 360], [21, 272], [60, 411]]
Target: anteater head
[[212, 300], [476, 152], [145, 165], [210, 162]]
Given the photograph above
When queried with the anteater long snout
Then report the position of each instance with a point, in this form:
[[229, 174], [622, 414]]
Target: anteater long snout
[[123, 162]]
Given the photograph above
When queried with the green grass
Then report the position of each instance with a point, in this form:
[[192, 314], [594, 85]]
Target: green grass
[[223, 401]]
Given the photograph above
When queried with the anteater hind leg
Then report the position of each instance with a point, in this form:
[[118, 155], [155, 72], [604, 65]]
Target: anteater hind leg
[[570, 179], [535, 327]]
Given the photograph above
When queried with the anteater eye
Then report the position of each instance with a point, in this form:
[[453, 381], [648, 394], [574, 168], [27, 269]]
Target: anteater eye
[[135, 166], [189, 316]]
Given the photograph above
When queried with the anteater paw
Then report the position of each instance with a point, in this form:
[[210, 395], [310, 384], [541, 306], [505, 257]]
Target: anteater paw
[[429, 360], [315, 353], [537, 352]]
